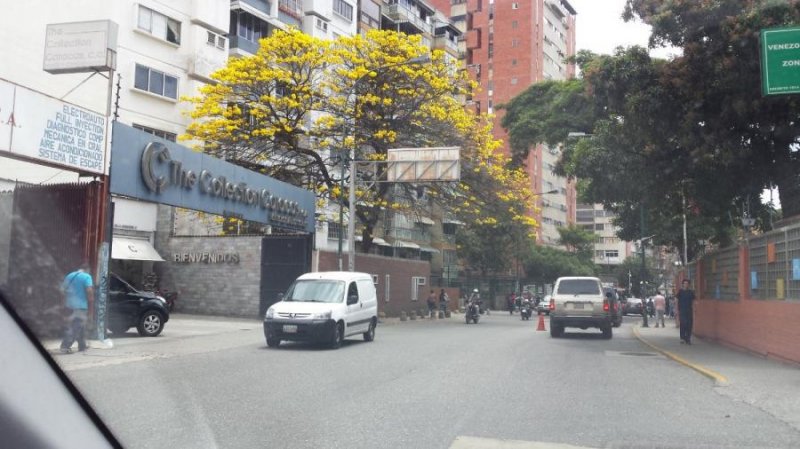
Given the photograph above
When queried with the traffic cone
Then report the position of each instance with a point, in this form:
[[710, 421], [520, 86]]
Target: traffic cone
[[540, 327]]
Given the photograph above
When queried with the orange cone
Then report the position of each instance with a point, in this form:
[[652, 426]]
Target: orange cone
[[540, 327]]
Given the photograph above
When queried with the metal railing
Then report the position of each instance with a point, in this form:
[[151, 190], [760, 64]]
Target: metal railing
[[721, 274], [775, 264]]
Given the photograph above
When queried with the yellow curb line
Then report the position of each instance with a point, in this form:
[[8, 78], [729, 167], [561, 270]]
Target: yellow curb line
[[719, 379]]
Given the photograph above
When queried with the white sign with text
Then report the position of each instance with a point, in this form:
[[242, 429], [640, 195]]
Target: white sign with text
[[36, 127]]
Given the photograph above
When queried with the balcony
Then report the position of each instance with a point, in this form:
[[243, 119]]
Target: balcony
[[403, 14], [293, 8], [446, 43], [244, 46], [414, 235]]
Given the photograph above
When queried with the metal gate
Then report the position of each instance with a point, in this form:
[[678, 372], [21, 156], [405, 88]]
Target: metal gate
[[283, 259], [52, 229]]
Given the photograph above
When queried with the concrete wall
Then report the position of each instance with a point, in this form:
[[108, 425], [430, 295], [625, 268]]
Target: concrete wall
[[223, 288], [766, 327], [229, 289]]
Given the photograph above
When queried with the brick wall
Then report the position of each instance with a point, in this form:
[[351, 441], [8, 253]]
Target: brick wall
[[400, 273]]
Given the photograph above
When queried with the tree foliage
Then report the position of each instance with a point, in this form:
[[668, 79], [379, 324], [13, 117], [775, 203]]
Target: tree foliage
[[692, 134], [297, 107], [545, 264], [577, 240]]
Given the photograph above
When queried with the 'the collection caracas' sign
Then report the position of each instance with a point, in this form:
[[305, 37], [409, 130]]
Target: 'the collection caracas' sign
[[168, 173]]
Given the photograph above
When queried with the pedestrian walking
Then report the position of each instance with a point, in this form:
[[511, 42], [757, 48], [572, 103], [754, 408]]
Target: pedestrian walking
[[77, 288], [660, 304], [443, 301], [685, 311], [431, 303]]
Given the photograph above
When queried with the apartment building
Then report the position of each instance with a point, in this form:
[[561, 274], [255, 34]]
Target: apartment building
[[609, 250], [510, 45]]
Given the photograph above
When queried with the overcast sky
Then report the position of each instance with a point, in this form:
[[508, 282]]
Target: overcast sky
[[600, 28]]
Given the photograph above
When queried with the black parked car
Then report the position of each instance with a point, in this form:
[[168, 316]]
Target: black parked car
[[633, 306], [129, 307]]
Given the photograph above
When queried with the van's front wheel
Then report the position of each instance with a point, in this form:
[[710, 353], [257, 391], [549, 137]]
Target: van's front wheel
[[369, 335], [338, 335]]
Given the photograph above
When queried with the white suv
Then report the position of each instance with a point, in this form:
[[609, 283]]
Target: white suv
[[580, 302]]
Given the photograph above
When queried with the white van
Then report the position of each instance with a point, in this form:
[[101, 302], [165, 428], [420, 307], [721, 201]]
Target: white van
[[326, 306]]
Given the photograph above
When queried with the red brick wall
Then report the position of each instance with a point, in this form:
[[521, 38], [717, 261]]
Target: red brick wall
[[400, 273]]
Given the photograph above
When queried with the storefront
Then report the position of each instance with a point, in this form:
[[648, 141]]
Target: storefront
[[214, 274]]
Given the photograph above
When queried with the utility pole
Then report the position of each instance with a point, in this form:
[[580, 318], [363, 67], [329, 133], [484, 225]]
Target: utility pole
[[644, 267]]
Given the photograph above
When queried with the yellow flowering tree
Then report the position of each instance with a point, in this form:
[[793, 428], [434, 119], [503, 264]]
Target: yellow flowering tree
[[296, 107]]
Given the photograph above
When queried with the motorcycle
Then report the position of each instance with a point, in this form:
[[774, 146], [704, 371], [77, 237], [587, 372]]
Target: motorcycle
[[526, 311], [473, 312]]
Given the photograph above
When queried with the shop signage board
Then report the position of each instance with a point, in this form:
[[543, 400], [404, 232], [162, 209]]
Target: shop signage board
[[39, 128], [780, 61], [80, 47], [151, 169]]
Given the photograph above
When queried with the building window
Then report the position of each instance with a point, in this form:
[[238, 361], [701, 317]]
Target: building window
[[343, 9], [514, 23], [513, 81], [322, 25], [515, 6], [172, 137], [215, 40], [612, 254], [159, 25], [513, 62], [599, 227], [514, 43], [247, 26], [155, 82]]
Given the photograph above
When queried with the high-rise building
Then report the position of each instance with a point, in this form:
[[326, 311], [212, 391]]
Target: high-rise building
[[509, 45], [609, 250]]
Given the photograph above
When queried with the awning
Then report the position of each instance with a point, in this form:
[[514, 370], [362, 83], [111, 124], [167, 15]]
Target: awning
[[402, 244], [130, 248], [428, 249], [423, 220], [375, 241], [453, 221]]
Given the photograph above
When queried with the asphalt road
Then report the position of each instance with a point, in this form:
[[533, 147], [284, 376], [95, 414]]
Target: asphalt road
[[421, 384]]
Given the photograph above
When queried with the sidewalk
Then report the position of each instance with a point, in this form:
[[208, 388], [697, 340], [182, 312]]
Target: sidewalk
[[768, 385]]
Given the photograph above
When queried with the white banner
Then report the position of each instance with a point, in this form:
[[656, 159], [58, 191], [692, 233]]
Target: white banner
[[36, 127]]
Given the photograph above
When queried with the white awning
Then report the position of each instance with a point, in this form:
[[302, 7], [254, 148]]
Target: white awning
[[375, 241], [428, 249], [453, 221], [423, 220], [130, 248], [402, 244]]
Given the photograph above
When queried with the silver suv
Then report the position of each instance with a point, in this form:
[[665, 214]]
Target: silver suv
[[580, 302]]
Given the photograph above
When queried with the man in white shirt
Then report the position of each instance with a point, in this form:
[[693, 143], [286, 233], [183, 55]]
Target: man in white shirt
[[660, 304]]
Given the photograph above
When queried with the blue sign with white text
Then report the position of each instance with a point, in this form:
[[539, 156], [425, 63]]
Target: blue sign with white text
[[796, 269], [152, 169]]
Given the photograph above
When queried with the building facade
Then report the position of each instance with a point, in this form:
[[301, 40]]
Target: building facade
[[510, 45], [609, 250]]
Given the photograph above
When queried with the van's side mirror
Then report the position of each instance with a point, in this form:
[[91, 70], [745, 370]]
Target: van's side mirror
[[280, 296], [352, 299]]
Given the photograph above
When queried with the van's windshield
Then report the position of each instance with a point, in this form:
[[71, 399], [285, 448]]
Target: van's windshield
[[578, 287], [314, 290]]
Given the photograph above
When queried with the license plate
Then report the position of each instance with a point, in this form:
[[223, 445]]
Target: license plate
[[290, 328], [577, 305]]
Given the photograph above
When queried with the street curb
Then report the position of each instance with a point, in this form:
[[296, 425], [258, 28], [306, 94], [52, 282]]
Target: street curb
[[719, 379]]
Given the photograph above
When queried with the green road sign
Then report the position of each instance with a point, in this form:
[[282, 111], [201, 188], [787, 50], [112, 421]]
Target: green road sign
[[780, 61]]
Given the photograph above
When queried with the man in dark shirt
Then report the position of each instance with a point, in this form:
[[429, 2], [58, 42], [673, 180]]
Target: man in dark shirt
[[685, 302]]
